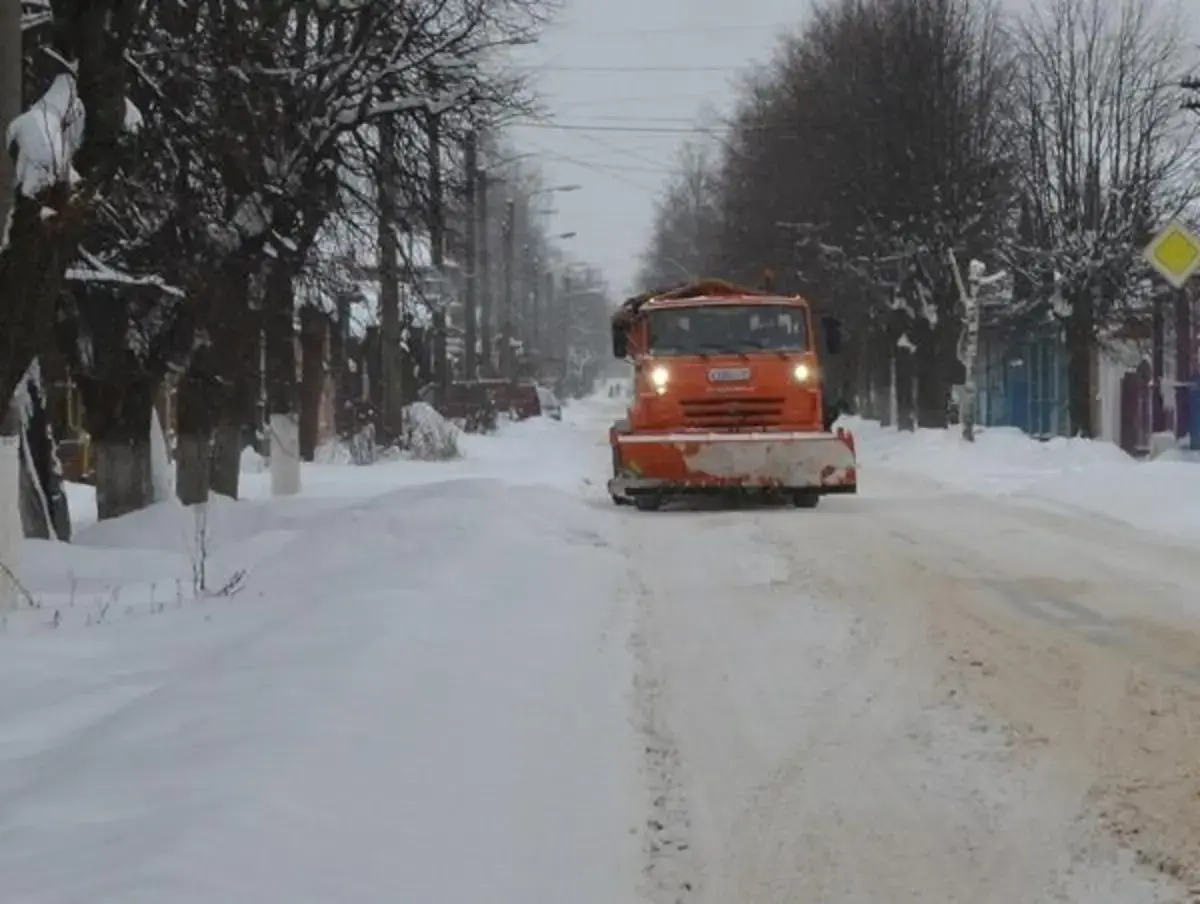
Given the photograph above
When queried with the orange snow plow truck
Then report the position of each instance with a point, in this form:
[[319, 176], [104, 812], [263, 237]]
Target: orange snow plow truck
[[728, 397]]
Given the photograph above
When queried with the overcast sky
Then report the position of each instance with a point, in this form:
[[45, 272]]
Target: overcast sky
[[624, 82]]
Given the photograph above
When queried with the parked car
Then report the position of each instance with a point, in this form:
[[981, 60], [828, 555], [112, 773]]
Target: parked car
[[549, 403]]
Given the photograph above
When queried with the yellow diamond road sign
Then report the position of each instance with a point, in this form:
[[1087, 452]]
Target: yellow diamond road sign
[[1175, 253]]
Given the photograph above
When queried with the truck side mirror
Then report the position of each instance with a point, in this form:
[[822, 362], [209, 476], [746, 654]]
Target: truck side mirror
[[831, 328], [620, 342]]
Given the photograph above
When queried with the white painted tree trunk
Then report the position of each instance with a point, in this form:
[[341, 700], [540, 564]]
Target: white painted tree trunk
[[162, 474], [11, 532], [285, 455]]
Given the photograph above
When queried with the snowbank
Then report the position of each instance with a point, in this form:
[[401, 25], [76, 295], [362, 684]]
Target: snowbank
[[1089, 475], [430, 436], [131, 566], [399, 690]]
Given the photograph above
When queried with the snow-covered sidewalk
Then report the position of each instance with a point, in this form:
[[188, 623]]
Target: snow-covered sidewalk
[[404, 702], [1088, 477]]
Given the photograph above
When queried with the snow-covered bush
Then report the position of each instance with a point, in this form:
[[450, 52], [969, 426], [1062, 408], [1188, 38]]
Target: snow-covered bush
[[334, 452], [429, 436]]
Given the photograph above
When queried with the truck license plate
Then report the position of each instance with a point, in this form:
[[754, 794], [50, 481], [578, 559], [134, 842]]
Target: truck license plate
[[729, 374]]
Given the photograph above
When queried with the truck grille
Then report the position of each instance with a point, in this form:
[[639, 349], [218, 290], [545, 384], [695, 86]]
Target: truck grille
[[733, 413]]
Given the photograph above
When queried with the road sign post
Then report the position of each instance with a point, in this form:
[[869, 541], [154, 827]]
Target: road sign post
[[1175, 254]]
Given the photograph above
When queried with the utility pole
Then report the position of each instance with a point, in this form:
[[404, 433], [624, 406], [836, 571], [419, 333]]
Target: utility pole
[[391, 371], [1186, 326], [470, 152], [486, 283], [1158, 414], [10, 93], [546, 303], [11, 528], [507, 363], [565, 324], [437, 252]]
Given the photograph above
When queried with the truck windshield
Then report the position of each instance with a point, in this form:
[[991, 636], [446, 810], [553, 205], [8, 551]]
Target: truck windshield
[[727, 328]]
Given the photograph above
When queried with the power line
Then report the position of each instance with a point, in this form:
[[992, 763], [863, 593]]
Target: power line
[[611, 172], [636, 119], [668, 30], [640, 130], [683, 70], [625, 99], [623, 151]]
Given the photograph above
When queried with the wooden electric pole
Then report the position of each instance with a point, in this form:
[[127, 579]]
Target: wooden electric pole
[[437, 252], [10, 93], [470, 290], [390, 417], [485, 282], [507, 362]]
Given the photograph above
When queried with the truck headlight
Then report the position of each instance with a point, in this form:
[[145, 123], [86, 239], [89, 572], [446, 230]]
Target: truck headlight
[[803, 373], [659, 378]]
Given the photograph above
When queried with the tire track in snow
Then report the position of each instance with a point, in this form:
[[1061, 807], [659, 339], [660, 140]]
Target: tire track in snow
[[669, 872]]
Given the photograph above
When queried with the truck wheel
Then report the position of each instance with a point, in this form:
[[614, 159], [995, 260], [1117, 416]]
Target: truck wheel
[[805, 499], [647, 503]]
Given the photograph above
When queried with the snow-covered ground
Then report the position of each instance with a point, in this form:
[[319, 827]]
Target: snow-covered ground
[[478, 681], [1096, 478], [406, 701]]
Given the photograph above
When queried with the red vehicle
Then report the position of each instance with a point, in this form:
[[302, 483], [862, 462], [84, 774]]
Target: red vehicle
[[481, 400]]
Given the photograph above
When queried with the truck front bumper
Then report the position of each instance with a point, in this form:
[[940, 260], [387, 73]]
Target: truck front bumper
[[687, 462]]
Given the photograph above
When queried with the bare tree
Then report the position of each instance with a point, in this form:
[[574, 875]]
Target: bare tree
[[685, 221], [1103, 158], [868, 148]]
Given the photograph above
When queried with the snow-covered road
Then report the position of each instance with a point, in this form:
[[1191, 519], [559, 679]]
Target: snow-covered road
[[486, 684], [921, 696]]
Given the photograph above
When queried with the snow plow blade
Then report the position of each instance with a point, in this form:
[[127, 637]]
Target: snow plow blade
[[664, 464]]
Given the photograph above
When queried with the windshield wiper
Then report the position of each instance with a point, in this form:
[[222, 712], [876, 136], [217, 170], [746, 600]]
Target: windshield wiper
[[759, 346], [720, 349]]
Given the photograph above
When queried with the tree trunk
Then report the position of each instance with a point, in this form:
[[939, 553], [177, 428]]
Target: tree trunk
[[226, 461], [44, 510], [193, 430], [904, 376], [118, 420], [312, 383], [11, 533], [1080, 333], [283, 423], [936, 362]]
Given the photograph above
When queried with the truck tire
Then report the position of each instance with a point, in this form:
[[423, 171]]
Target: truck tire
[[805, 499], [647, 502]]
